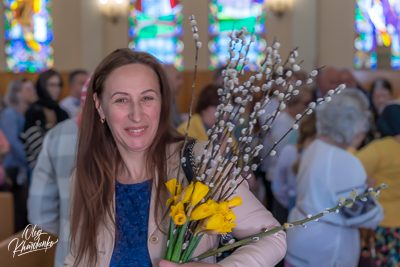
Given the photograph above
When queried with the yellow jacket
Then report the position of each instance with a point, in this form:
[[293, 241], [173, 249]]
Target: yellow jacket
[[197, 129], [381, 160]]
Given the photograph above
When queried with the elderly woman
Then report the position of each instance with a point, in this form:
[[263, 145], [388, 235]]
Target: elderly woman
[[328, 172], [127, 151]]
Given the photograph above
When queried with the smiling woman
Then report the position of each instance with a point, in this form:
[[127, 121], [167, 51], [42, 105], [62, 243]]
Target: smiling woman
[[127, 151]]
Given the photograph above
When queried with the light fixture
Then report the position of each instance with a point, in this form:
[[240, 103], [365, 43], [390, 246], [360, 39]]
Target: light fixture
[[114, 9], [279, 7]]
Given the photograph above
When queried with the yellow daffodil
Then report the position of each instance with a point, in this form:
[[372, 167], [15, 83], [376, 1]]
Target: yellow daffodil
[[217, 224], [227, 227], [177, 209], [180, 218], [223, 207], [204, 210], [200, 191], [214, 222], [234, 202], [186, 194], [230, 216], [175, 188]]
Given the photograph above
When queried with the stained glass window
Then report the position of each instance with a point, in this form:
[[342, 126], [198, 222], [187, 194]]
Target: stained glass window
[[377, 25], [155, 27], [28, 35], [226, 15]]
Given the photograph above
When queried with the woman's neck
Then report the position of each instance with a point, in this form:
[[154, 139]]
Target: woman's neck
[[133, 168]]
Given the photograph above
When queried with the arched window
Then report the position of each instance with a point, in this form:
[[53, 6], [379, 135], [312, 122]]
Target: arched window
[[28, 35], [377, 24], [226, 15], [155, 27]]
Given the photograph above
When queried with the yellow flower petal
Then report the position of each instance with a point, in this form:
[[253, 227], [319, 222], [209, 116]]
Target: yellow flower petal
[[169, 201], [171, 185], [179, 189], [180, 218], [234, 202], [215, 222], [178, 208], [230, 216], [204, 210], [186, 194], [199, 192], [223, 207]]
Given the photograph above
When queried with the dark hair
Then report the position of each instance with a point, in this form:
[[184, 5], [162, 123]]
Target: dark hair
[[42, 83], [98, 157], [73, 74], [382, 83], [208, 97], [379, 83]]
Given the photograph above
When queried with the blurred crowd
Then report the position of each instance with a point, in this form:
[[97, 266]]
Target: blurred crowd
[[353, 142]]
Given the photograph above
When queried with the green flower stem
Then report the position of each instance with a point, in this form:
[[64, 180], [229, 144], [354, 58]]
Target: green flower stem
[[191, 248], [196, 243], [285, 226], [176, 255], [186, 252], [170, 237], [172, 242]]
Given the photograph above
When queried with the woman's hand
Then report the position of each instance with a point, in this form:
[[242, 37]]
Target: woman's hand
[[165, 263]]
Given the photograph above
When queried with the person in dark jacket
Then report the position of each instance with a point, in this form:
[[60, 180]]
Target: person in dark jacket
[[42, 115]]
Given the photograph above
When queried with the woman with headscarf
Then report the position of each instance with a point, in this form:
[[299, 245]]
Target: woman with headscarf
[[43, 115], [381, 160]]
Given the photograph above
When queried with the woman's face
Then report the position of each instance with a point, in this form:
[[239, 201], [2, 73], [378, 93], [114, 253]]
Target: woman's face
[[380, 97], [131, 106], [53, 87], [28, 93]]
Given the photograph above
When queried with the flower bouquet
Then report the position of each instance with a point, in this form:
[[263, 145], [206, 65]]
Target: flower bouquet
[[207, 205]]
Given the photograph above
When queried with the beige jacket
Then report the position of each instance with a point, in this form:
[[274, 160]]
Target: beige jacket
[[252, 217]]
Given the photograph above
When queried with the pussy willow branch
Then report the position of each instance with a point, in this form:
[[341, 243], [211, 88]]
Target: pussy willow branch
[[191, 106], [255, 238]]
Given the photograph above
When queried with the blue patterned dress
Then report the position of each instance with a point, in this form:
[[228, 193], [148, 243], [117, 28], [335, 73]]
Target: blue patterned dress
[[132, 203]]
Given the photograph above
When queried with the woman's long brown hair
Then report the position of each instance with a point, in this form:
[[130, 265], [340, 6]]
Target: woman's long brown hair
[[307, 129], [98, 158]]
